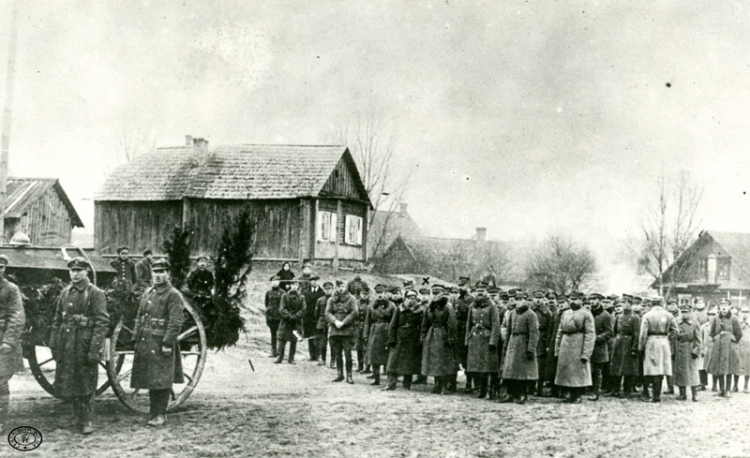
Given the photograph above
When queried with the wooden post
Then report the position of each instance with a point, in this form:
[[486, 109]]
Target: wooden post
[[7, 115], [339, 218]]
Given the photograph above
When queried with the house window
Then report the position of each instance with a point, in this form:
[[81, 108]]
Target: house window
[[722, 268], [701, 268], [327, 224], [353, 234]]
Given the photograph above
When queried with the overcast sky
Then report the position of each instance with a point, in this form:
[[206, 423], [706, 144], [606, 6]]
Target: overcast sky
[[523, 117]]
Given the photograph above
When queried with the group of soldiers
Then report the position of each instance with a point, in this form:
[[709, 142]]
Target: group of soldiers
[[543, 344], [82, 323]]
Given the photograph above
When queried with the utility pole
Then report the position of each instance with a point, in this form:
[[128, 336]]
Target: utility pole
[[7, 114]]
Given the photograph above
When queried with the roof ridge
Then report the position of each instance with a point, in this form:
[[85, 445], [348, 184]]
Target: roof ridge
[[32, 179]]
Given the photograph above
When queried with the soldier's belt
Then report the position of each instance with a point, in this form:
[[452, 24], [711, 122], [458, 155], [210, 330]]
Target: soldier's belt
[[77, 320], [568, 333], [657, 335]]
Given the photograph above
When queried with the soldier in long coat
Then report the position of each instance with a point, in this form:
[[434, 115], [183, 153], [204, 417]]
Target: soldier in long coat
[[292, 310], [157, 363], [12, 320], [342, 315], [724, 361], [604, 327], [78, 330], [706, 345], [143, 270], [377, 327], [438, 336], [625, 365], [462, 306], [653, 343], [405, 357], [520, 371], [562, 305], [273, 317], [310, 320], [744, 349], [574, 345], [363, 305], [687, 350], [482, 338], [543, 314], [321, 325]]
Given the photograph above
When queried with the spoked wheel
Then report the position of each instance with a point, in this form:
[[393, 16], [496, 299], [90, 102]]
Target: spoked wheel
[[43, 367], [192, 344]]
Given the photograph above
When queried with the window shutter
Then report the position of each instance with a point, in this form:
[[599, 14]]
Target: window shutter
[[359, 231], [334, 228], [348, 239]]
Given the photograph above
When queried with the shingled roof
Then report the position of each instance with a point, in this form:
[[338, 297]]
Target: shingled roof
[[22, 192], [228, 172]]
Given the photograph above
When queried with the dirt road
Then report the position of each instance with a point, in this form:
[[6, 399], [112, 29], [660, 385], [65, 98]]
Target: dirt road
[[285, 410]]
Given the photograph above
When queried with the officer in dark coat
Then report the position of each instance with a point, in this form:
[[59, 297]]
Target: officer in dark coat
[[201, 281], [520, 369], [310, 320], [625, 365], [143, 270], [273, 317], [438, 337], [405, 357], [78, 330], [321, 325], [561, 305], [544, 317], [360, 344], [157, 363], [342, 315], [125, 268], [292, 310], [462, 305], [356, 285], [482, 337], [604, 328], [12, 320], [377, 327]]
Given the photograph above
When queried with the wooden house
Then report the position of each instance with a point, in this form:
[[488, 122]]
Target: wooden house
[[716, 265], [40, 208], [308, 202]]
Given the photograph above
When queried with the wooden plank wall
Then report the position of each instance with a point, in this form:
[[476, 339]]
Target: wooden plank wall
[[341, 183], [348, 252], [46, 221], [138, 225]]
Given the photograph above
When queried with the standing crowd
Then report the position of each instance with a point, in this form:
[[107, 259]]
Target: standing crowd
[[511, 344]]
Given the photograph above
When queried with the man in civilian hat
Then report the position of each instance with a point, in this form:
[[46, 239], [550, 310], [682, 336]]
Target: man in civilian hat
[[125, 267], [544, 317], [377, 328], [520, 371], [687, 351], [12, 320], [656, 325], [310, 320], [461, 306], [482, 337], [321, 326], [157, 363], [342, 315], [201, 281], [77, 335], [143, 270]]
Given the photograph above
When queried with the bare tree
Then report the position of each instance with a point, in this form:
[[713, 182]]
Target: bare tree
[[132, 137], [378, 240], [668, 229], [560, 265]]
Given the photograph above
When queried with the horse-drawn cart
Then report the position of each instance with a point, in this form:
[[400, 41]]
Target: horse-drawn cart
[[41, 273]]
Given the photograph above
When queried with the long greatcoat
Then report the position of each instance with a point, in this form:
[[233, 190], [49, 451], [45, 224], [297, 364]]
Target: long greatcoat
[[158, 323], [551, 367], [405, 357], [462, 306], [574, 341], [310, 320], [377, 326], [292, 309], [744, 349], [482, 330], [12, 320], [656, 325], [706, 345], [687, 349], [604, 326], [546, 319], [523, 338], [438, 335], [725, 356], [627, 331], [78, 330], [363, 309]]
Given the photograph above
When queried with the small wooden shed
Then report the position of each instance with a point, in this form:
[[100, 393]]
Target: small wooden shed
[[308, 202]]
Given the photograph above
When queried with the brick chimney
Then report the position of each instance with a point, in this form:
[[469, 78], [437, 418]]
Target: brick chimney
[[201, 144], [402, 207], [188, 140], [481, 234]]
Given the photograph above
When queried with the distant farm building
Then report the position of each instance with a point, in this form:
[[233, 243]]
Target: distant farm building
[[40, 208], [386, 226], [308, 202]]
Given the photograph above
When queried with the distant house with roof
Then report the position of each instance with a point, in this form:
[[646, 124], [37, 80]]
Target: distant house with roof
[[40, 208], [449, 258], [716, 265], [308, 202], [386, 226]]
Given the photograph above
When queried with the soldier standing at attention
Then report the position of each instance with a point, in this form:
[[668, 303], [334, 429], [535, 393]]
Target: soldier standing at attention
[[292, 310], [377, 328], [482, 337], [342, 315], [321, 327], [143, 270], [125, 267], [656, 325], [462, 305], [561, 305], [520, 371], [12, 320], [157, 363], [624, 366], [604, 328], [273, 317], [724, 359], [78, 330], [687, 350], [310, 320], [363, 307], [544, 316], [201, 281], [405, 357], [574, 345], [438, 337]]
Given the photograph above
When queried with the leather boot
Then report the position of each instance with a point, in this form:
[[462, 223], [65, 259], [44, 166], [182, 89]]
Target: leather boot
[[735, 388], [470, 383], [376, 376], [683, 393], [367, 370], [451, 388], [670, 387], [438, 389], [340, 378], [292, 351], [494, 387], [694, 391], [407, 382], [482, 379], [392, 380], [597, 388], [282, 348], [87, 416], [349, 378]]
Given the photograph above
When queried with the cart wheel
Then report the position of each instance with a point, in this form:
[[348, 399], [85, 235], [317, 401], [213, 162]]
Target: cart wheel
[[43, 368], [192, 344]]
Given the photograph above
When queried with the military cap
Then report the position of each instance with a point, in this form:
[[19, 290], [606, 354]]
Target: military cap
[[745, 309], [562, 298], [656, 301], [521, 295], [147, 252], [340, 282], [122, 248], [380, 288], [539, 293], [463, 281], [315, 277], [672, 300], [455, 290], [596, 296], [306, 264], [637, 299], [4, 260], [395, 289], [202, 258], [613, 297], [724, 300], [685, 307], [437, 286], [409, 284], [551, 295], [424, 290], [327, 285], [480, 285], [504, 296], [627, 297], [161, 264], [78, 263], [410, 293], [493, 290], [512, 293]]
